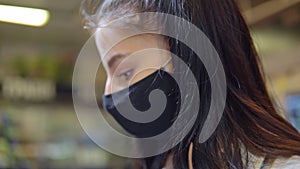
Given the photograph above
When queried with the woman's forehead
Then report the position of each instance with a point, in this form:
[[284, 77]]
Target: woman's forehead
[[111, 42]]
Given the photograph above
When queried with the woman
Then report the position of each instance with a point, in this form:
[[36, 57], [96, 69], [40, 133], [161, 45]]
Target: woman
[[251, 133]]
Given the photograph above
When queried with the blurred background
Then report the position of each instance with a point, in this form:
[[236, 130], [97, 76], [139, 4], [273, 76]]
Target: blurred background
[[38, 124]]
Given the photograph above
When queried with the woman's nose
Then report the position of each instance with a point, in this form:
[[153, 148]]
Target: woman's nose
[[108, 87]]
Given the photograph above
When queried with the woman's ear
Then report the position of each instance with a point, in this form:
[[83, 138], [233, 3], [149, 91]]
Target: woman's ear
[[190, 156]]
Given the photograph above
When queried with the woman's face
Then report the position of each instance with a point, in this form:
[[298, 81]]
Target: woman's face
[[132, 59]]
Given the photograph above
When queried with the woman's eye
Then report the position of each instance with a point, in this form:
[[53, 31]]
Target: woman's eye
[[126, 75]]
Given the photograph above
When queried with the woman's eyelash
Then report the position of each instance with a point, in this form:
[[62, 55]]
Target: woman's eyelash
[[127, 74]]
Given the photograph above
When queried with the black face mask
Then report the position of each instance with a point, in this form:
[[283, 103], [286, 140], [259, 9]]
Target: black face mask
[[139, 98]]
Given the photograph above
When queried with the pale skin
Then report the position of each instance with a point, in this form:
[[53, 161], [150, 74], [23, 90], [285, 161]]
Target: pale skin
[[131, 60]]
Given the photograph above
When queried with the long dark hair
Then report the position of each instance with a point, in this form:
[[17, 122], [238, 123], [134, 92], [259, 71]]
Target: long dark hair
[[250, 120]]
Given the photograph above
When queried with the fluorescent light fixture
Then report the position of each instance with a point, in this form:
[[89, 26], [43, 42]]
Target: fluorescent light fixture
[[24, 15]]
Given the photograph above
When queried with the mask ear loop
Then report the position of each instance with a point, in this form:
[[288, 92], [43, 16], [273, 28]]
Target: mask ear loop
[[164, 65], [190, 156]]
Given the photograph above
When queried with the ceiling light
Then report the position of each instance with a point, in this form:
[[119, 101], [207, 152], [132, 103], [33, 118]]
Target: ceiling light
[[24, 15]]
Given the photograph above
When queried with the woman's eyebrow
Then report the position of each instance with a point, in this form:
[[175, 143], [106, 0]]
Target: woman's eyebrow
[[115, 58]]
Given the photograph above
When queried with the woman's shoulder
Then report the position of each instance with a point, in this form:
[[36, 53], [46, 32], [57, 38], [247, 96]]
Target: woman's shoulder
[[292, 162], [258, 162]]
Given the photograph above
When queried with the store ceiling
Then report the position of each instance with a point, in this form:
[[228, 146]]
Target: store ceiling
[[63, 28]]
